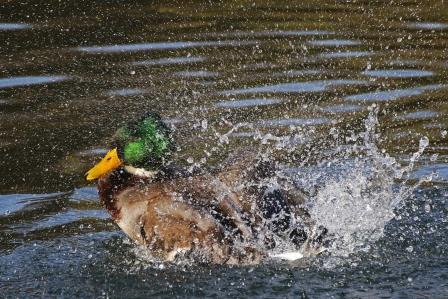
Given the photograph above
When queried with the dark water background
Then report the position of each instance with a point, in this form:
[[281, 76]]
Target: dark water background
[[73, 71]]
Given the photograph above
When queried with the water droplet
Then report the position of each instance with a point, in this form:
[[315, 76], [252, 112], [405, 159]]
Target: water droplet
[[204, 124], [434, 157], [424, 142]]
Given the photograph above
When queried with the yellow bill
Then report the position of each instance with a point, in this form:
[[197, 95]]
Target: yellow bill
[[109, 163]]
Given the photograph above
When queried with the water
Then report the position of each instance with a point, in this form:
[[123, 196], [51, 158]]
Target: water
[[394, 94], [226, 75], [295, 87], [398, 73], [129, 48], [346, 54], [125, 92], [248, 103], [428, 25], [169, 61], [14, 26], [29, 80], [334, 42]]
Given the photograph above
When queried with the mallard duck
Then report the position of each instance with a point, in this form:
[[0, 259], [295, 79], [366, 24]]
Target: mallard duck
[[227, 215]]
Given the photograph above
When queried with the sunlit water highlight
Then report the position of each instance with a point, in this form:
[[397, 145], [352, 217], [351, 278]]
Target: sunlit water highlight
[[169, 61], [30, 80], [296, 87], [247, 103], [394, 94], [346, 54], [428, 25], [160, 46], [14, 26], [397, 73], [334, 43]]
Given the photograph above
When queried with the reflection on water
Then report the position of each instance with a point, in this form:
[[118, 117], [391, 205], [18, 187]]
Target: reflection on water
[[14, 26], [398, 73], [346, 54], [93, 152], [428, 25], [422, 114], [72, 72], [170, 61], [161, 46], [314, 86], [395, 94], [244, 134], [30, 80], [196, 74], [12, 203], [342, 108], [270, 33], [247, 103], [334, 42], [295, 122], [126, 92], [439, 171], [297, 73]]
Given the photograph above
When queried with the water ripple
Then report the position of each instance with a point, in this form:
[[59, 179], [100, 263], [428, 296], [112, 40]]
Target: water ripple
[[342, 108], [11, 203], [423, 114], [334, 42], [405, 73], [395, 94], [428, 25], [170, 61], [14, 26], [247, 103], [271, 33], [439, 171], [294, 122], [196, 74], [122, 92], [295, 87], [160, 46], [346, 54], [298, 73], [30, 80]]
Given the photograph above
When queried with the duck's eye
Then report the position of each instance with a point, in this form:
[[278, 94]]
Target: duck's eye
[[108, 159]]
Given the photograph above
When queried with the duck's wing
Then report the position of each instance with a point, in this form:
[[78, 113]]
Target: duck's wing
[[155, 216], [215, 197]]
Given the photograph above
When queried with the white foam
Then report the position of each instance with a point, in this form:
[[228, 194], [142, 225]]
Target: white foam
[[288, 256]]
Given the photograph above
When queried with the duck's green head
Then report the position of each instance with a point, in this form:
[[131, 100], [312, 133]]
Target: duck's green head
[[146, 143]]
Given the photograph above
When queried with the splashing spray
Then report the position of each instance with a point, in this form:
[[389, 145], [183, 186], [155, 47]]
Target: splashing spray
[[356, 206]]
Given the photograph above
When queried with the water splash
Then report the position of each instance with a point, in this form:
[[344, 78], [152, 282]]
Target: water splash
[[356, 205], [353, 194]]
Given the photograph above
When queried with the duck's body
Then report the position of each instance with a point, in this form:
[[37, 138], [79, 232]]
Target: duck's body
[[224, 216]]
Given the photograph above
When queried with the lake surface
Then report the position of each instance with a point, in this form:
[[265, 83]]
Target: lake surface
[[352, 95]]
